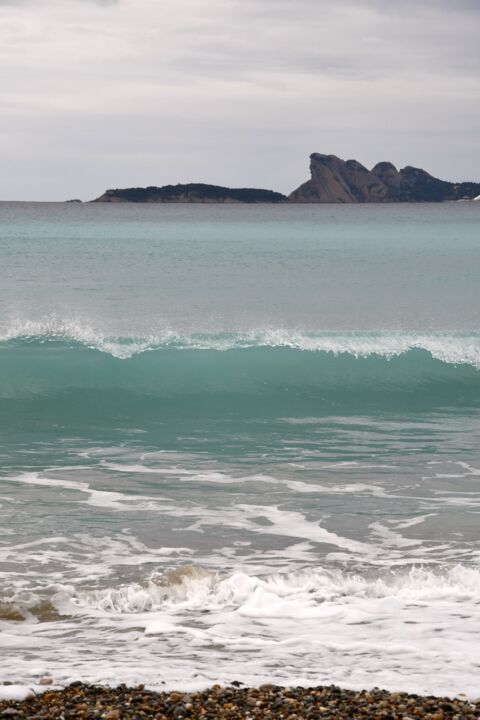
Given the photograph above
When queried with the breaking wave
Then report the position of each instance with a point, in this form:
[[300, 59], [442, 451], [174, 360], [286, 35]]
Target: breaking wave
[[453, 348], [194, 588], [269, 371]]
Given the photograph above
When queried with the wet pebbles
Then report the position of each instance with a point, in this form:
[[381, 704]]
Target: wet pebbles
[[235, 702]]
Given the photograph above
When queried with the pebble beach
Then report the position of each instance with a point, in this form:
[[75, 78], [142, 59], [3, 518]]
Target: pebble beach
[[236, 703]]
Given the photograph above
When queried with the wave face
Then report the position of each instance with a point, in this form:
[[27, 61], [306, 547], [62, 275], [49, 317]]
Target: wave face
[[258, 372]]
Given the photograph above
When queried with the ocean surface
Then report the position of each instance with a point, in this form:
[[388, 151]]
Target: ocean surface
[[240, 443]]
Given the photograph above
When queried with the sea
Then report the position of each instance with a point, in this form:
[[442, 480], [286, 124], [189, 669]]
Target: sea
[[240, 443]]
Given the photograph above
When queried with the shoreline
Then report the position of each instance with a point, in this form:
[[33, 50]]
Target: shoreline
[[236, 702]]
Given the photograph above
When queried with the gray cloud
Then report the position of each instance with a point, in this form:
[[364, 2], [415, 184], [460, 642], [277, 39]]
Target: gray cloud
[[16, 3], [231, 91]]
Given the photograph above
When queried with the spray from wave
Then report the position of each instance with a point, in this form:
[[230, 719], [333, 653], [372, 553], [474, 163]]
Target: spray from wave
[[192, 588], [453, 348]]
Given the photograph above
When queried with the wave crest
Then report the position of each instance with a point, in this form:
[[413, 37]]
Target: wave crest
[[451, 348], [195, 588]]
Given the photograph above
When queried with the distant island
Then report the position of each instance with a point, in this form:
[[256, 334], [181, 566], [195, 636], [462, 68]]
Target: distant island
[[332, 181], [192, 193]]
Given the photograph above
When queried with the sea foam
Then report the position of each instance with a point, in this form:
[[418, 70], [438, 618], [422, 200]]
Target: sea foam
[[455, 348]]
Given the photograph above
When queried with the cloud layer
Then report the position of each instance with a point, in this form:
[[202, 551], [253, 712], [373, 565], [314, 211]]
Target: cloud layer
[[110, 93]]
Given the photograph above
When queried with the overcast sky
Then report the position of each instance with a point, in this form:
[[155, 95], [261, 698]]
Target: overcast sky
[[114, 93]]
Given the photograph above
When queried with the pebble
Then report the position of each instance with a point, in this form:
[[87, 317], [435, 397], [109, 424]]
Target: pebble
[[268, 702], [47, 680], [175, 696], [179, 712], [112, 715]]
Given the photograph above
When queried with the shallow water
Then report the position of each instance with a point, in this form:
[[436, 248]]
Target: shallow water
[[240, 443]]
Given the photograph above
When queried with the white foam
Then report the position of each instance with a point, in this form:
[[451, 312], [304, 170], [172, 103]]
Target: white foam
[[15, 692], [222, 478], [144, 469], [193, 587], [98, 498], [403, 524], [70, 330], [392, 538], [184, 475], [415, 631], [293, 524], [456, 348]]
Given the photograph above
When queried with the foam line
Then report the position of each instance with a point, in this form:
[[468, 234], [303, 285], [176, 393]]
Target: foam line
[[463, 348]]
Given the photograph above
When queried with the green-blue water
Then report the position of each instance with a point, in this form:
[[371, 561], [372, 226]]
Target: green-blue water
[[240, 443]]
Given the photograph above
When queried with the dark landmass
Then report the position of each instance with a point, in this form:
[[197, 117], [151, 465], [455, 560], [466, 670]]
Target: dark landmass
[[338, 181], [191, 193], [84, 702], [332, 181]]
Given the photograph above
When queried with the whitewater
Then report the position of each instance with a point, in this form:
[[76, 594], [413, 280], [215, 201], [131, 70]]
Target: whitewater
[[240, 443]]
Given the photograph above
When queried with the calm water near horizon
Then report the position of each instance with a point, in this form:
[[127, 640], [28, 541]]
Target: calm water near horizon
[[240, 443]]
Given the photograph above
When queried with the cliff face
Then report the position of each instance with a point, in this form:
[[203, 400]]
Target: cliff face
[[338, 181], [191, 193]]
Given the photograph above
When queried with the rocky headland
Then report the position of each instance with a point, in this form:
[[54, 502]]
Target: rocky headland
[[191, 193], [332, 181], [347, 181]]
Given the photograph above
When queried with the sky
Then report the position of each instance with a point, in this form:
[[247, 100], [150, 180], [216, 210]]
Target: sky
[[98, 94]]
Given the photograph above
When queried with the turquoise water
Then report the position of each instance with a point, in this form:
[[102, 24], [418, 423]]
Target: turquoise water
[[240, 443]]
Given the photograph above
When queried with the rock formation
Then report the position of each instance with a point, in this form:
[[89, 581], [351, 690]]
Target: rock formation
[[191, 193], [332, 181], [338, 181]]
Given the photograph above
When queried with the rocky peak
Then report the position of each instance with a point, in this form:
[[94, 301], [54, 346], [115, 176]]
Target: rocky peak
[[338, 181], [355, 166]]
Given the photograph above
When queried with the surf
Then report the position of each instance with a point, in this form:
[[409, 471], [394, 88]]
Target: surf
[[452, 348], [267, 371]]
